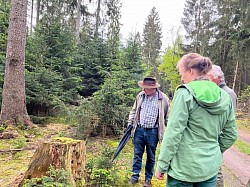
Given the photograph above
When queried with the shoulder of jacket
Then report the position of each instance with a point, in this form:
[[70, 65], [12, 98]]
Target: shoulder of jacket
[[141, 94], [162, 95], [184, 91], [183, 88]]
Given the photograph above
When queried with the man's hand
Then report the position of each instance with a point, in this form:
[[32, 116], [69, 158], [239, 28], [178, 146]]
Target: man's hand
[[159, 175]]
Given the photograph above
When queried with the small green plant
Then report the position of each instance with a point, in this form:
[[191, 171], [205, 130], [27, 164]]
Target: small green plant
[[33, 132], [104, 161], [2, 128], [61, 133], [55, 178], [90, 165], [19, 143], [100, 171], [101, 177], [18, 155]]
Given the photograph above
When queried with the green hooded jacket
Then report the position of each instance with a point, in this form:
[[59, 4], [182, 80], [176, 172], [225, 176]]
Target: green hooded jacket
[[200, 128]]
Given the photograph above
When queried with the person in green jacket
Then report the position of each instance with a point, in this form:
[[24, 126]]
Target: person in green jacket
[[201, 126]]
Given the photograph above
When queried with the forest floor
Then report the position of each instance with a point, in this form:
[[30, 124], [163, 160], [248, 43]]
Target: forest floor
[[236, 165]]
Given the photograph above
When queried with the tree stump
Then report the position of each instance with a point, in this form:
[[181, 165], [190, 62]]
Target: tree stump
[[60, 153]]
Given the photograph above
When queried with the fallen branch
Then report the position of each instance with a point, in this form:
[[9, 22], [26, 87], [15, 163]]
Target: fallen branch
[[10, 150]]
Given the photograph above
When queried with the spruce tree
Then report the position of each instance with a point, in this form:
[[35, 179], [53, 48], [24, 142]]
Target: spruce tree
[[151, 42], [199, 23], [13, 110]]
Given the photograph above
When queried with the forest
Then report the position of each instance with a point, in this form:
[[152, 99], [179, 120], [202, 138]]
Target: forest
[[64, 60]]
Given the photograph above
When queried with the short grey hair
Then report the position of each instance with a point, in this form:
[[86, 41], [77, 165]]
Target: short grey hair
[[217, 72]]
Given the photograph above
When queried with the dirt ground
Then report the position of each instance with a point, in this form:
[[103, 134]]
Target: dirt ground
[[236, 165]]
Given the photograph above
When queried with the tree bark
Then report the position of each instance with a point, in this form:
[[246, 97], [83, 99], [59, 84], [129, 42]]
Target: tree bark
[[13, 109], [38, 11], [60, 153], [97, 22], [78, 20], [31, 16]]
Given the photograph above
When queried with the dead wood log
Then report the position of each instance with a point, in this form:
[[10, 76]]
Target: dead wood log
[[60, 153], [10, 150]]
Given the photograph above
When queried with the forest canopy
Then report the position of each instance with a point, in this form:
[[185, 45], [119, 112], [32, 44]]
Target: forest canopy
[[75, 60]]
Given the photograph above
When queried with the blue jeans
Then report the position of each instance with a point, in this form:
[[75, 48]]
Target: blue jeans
[[171, 182], [144, 138]]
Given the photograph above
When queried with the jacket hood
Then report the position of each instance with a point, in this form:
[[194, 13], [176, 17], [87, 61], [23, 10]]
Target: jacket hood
[[209, 96]]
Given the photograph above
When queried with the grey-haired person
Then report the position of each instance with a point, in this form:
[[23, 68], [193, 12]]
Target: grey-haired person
[[217, 76], [148, 117]]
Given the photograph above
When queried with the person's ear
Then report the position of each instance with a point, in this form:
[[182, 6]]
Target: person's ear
[[191, 71]]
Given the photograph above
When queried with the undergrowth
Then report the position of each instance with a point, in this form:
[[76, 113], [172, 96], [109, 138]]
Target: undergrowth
[[55, 178], [100, 170]]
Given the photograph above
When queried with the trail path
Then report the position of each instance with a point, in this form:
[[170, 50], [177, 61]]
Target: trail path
[[236, 164]]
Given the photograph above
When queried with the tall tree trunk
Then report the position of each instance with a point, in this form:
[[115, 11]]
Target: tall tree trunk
[[13, 97], [31, 16], [38, 10], [78, 20], [197, 46], [97, 22]]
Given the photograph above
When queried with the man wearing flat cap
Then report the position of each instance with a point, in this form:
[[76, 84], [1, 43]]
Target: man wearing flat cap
[[149, 118]]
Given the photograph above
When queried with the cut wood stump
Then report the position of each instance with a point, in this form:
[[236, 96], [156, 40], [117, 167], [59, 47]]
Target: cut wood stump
[[60, 153]]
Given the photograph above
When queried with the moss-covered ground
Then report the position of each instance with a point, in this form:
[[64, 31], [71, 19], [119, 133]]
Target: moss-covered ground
[[17, 153]]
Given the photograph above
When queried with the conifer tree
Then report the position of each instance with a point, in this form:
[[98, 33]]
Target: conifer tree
[[119, 90], [4, 22], [199, 23], [13, 110], [151, 42]]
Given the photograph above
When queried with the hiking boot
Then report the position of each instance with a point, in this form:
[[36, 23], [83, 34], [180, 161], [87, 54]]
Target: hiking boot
[[133, 181], [147, 183]]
